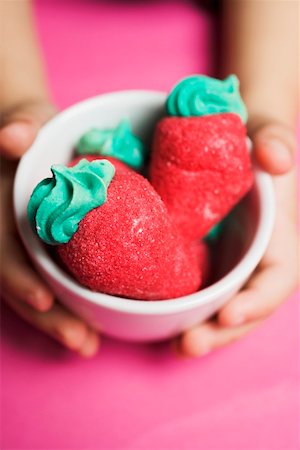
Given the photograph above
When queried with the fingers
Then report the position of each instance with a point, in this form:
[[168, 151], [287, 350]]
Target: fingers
[[269, 286], [209, 336], [275, 146], [18, 278], [30, 297], [23, 289], [61, 325], [261, 297], [90, 344], [19, 127], [273, 281]]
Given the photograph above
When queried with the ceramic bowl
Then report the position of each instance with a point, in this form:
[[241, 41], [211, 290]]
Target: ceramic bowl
[[243, 243]]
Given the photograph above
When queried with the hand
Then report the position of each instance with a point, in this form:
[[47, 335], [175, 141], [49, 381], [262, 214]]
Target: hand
[[22, 288], [276, 276]]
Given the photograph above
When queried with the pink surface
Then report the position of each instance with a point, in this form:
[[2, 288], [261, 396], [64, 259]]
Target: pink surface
[[140, 396]]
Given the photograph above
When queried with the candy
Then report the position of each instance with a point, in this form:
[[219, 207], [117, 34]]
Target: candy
[[129, 247], [116, 233], [201, 168]]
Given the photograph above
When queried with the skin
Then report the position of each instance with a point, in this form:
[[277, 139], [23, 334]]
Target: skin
[[271, 100], [266, 62]]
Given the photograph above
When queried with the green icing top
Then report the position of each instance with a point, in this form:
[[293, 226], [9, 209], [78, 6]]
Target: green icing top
[[118, 142], [199, 95], [58, 204]]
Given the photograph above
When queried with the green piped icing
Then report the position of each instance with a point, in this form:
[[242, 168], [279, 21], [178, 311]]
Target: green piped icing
[[118, 142], [199, 95], [58, 204]]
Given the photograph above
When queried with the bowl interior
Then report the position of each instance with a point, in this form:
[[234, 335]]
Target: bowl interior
[[55, 145]]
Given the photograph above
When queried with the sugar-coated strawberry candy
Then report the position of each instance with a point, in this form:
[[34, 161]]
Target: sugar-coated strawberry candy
[[201, 168], [129, 246]]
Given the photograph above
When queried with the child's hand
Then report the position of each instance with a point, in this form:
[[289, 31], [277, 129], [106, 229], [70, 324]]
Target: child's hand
[[22, 287], [277, 274]]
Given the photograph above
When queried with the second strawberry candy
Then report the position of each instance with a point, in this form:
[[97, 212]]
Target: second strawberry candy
[[200, 163]]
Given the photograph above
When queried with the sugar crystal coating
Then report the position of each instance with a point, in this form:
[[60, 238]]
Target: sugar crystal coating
[[201, 168], [129, 247]]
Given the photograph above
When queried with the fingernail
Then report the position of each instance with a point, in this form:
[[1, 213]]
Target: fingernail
[[90, 347], [201, 348], [18, 128], [204, 350], [195, 343], [238, 319], [38, 301], [279, 149], [198, 353], [71, 337]]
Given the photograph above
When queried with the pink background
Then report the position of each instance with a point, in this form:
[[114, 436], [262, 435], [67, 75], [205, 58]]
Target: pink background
[[140, 396]]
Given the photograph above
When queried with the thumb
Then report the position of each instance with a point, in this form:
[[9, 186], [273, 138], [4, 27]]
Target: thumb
[[20, 125], [274, 147]]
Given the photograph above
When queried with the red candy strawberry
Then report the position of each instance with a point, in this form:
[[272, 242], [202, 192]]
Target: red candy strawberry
[[129, 247], [126, 246], [200, 166]]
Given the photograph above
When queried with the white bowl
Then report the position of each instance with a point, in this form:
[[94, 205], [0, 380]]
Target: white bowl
[[247, 236]]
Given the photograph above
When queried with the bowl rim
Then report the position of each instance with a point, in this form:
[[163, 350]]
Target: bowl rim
[[222, 287]]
